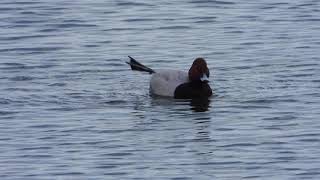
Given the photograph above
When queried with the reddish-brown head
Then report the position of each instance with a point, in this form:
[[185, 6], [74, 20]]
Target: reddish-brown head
[[199, 70]]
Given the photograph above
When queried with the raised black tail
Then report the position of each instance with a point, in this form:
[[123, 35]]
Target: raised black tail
[[135, 65]]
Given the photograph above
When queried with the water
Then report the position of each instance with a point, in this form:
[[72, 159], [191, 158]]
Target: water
[[70, 108]]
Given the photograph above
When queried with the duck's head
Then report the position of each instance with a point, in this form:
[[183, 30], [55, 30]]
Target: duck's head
[[199, 71]]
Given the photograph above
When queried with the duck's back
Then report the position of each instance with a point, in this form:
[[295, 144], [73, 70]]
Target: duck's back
[[165, 82]]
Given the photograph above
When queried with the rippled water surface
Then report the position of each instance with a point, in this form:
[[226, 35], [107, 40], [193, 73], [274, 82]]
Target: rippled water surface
[[70, 108]]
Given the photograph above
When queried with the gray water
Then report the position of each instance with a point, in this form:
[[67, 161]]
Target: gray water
[[70, 108]]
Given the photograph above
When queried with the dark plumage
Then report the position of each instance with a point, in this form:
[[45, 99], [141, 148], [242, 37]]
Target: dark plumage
[[193, 89]]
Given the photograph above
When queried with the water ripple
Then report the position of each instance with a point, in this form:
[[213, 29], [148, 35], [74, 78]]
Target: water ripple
[[212, 2], [70, 107]]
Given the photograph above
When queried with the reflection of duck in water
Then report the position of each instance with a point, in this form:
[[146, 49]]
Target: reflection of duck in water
[[196, 104], [200, 104], [178, 84]]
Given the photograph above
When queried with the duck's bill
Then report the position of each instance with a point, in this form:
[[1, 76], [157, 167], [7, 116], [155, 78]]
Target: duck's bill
[[204, 78]]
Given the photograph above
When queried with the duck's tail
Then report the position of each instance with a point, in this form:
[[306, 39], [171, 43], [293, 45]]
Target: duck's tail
[[135, 65]]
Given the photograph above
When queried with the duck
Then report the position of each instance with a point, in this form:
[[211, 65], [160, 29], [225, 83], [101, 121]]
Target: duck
[[176, 83]]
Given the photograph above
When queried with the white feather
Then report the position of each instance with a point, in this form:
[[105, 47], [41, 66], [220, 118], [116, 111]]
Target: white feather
[[204, 78], [164, 82]]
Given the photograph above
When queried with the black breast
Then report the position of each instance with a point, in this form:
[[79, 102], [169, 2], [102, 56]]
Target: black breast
[[191, 90]]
